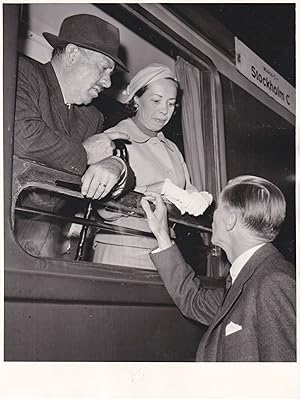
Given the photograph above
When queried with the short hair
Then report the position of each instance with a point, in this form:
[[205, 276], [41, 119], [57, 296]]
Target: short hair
[[131, 107], [261, 204], [58, 51]]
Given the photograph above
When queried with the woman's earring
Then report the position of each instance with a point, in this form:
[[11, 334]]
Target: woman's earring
[[136, 107]]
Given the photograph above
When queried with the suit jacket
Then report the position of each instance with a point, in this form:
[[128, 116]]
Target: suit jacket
[[257, 319], [45, 130]]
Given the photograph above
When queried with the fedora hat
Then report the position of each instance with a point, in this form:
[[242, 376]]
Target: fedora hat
[[90, 32]]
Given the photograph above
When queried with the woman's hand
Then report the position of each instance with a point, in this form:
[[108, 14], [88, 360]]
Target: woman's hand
[[156, 187], [153, 188], [157, 220]]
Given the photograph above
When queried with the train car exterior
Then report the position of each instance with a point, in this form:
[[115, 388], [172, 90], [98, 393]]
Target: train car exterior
[[67, 310]]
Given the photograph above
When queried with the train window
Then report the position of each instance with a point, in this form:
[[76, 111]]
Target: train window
[[72, 221], [86, 227], [262, 143]]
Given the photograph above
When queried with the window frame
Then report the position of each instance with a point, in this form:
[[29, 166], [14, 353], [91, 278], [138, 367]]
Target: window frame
[[17, 258]]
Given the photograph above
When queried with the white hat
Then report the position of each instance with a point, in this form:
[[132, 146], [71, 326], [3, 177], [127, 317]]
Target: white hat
[[145, 76]]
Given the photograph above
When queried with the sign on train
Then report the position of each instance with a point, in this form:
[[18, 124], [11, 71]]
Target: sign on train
[[263, 76]]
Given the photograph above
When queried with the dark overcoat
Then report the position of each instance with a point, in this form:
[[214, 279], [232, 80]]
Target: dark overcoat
[[45, 130], [48, 131]]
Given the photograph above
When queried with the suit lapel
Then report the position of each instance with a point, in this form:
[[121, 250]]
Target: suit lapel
[[56, 97], [245, 274]]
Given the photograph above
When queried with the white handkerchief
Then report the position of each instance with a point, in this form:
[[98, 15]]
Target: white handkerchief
[[194, 203], [232, 328]]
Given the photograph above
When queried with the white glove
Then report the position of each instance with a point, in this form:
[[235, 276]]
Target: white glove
[[194, 203], [174, 194], [197, 202]]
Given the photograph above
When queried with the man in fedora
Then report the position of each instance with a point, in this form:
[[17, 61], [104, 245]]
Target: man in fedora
[[56, 124], [254, 319]]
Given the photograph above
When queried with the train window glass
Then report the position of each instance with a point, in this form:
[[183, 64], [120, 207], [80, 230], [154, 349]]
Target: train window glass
[[260, 142], [52, 219], [60, 213]]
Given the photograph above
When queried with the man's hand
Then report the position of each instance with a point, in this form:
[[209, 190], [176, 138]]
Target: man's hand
[[100, 178], [101, 146], [157, 220]]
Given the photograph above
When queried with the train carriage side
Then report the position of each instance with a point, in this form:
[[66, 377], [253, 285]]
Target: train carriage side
[[62, 310], [259, 132]]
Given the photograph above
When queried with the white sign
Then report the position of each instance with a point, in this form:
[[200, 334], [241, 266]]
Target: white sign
[[263, 76]]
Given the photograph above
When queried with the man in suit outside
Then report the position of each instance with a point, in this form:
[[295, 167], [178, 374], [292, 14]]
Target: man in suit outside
[[254, 319], [55, 123]]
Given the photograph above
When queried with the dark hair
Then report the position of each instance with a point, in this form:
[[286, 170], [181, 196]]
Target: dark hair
[[261, 204], [58, 51], [131, 107]]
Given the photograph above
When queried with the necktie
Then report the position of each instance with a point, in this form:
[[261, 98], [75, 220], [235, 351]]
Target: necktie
[[228, 283], [70, 117]]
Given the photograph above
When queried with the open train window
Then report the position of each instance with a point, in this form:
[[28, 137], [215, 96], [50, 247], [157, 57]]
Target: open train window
[[32, 179]]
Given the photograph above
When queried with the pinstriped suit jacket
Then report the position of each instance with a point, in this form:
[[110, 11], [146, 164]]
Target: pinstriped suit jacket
[[43, 131], [261, 306]]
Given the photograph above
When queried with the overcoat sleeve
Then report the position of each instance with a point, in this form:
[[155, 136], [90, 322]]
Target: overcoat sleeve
[[185, 288]]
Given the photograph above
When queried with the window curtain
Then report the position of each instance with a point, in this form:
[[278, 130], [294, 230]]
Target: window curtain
[[189, 78], [191, 83]]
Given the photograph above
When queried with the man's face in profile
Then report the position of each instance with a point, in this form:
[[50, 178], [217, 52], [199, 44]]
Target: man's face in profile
[[90, 76]]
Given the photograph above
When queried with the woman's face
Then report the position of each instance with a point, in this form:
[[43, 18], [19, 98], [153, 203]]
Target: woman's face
[[157, 104]]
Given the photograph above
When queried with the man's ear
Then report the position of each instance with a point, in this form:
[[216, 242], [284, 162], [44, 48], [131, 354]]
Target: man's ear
[[231, 220], [72, 54]]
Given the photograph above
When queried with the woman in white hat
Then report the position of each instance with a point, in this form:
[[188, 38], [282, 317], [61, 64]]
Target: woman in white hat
[[156, 161]]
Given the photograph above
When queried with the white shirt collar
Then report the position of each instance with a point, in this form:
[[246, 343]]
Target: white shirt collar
[[240, 262]]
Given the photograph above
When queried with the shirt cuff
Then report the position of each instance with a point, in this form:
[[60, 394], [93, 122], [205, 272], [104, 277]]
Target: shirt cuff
[[121, 184]]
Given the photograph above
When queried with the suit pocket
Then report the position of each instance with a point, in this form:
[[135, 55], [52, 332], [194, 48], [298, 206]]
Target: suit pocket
[[240, 346], [238, 336]]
